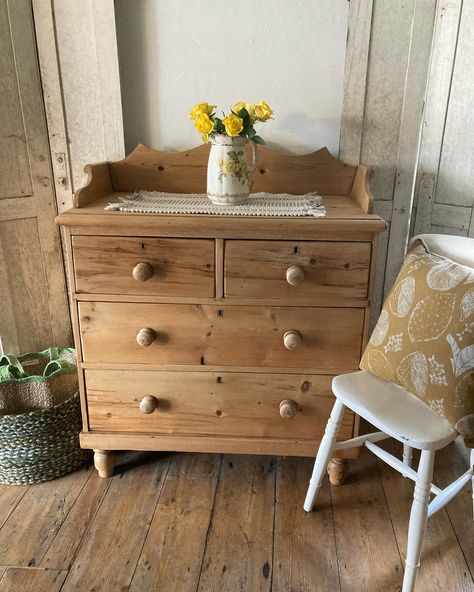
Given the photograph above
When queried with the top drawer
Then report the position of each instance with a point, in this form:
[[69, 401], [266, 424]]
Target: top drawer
[[144, 266], [316, 272]]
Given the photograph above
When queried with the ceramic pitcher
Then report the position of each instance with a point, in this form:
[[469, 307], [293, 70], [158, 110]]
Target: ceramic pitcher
[[229, 176]]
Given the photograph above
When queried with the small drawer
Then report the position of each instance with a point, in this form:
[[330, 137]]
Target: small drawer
[[319, 339], [226, 404], [144, 266], [316, 272]]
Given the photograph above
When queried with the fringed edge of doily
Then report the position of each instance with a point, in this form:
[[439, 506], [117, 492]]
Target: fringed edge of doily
[[313, 205]]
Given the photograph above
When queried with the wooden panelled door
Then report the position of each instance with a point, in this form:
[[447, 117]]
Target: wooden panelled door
[[33, 301], [444, 195]]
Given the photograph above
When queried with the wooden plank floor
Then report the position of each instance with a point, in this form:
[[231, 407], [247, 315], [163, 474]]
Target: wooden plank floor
[[227, 523]]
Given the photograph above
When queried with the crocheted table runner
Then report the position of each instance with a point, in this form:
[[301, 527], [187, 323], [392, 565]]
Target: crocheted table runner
[[259, 204]]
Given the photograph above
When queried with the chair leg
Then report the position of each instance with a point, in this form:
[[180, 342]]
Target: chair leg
[[407, 455], [418, 519], [324, 454]]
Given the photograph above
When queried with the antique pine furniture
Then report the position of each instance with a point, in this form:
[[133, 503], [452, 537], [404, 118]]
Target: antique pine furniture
[[218, 333], [401, 415]]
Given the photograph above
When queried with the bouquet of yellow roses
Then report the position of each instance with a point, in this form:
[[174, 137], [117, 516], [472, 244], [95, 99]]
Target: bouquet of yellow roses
[[239, 122]]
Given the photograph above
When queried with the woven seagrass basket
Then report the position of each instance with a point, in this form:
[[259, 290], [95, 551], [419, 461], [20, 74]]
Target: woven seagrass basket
[[40, 417]]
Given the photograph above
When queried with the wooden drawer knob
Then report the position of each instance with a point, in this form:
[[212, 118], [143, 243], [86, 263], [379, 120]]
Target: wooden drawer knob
[[142, 271], [295, 275], [292, 339], [148, 404], [146, 337], [288, 409]]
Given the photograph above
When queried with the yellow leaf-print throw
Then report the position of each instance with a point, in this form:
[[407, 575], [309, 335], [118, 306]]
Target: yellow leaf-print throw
[[424, 338]]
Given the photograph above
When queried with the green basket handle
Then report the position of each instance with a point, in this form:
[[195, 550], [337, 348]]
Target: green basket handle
[[10, 372], [55, 364], [12, 363], [11, 368], [54, 353], [52, 367]]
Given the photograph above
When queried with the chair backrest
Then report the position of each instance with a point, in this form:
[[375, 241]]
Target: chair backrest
[[457, 248]]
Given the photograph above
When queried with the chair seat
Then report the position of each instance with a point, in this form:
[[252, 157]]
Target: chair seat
[[393, 410]]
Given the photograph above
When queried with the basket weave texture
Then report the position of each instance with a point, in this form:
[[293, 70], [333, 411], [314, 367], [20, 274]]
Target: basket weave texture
[[40, 417]]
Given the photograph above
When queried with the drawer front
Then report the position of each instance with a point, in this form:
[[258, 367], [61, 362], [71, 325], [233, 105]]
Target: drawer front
[[227, 404], [315, 272], [325, 339], [144, 266]]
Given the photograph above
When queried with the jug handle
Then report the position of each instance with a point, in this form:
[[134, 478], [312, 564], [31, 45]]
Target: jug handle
[[253, 168]]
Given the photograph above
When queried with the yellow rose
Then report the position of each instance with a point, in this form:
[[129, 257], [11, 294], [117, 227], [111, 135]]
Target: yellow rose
[[243, 105], [238, 106], [201, 108], [262, 111], [251, 111], [203, 123], [233, 125]]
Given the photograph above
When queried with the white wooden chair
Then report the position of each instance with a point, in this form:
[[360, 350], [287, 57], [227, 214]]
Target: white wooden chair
[[400, 415]]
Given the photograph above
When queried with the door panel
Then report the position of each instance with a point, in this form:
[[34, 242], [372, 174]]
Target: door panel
[[34, 312], [14, 167], [445, 175]]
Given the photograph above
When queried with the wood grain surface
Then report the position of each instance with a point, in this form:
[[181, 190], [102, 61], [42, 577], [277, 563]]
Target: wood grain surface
[[190, 522], [185, 172], [332, 270], [180, 267], [209, 335], [225, 403]]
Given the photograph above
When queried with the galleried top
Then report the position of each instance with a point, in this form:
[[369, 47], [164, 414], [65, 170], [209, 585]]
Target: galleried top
[[185, 172]]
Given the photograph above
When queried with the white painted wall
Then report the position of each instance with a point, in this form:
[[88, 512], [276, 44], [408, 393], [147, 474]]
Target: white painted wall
[[175, 53]]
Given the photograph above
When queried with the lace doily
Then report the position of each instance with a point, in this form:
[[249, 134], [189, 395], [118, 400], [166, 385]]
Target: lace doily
[[259, 204]]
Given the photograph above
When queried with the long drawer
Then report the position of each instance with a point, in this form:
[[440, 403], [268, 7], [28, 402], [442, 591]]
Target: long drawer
[[227, 404], [144, 266], [320, 339], [316, 272]]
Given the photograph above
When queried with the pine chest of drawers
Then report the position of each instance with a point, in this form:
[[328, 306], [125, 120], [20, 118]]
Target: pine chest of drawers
[[217, 333]]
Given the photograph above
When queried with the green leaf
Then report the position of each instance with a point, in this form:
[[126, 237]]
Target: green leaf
[[219, 126], [258, 140], [244, 115], [251, 132]]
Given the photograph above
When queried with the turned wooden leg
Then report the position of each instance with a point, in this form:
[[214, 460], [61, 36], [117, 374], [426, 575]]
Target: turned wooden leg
[[337, 471], [418, 519], [324, 453], [104, 461], [407, 455]]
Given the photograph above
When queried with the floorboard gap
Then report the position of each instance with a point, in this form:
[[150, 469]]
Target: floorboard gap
[[211, 518]]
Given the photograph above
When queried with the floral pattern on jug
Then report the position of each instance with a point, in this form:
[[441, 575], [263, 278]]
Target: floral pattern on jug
[[229, 176]]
